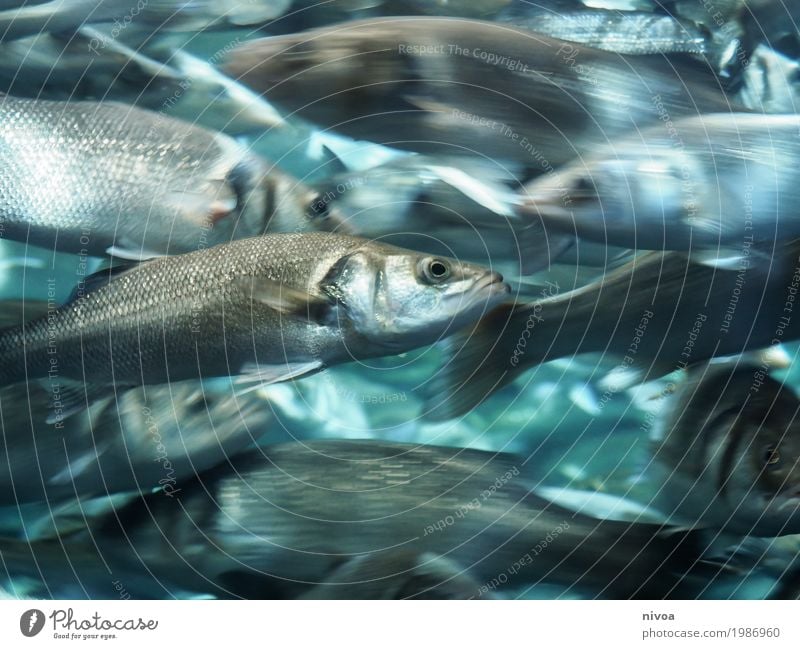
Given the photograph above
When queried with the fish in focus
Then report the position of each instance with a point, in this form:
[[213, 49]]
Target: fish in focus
[[448, 86], [714, 181], [657, 313], [366, 518], [275, 307], [727, 455], [97, 178], [137, 440]]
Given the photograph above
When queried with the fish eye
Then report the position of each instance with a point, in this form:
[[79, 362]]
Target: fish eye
[[771, 457], [318, 208], [435, 270]]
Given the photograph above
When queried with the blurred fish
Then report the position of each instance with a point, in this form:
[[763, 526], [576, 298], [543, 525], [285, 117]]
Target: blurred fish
[[349, 518], [771, 82], [625, 32], [717, 181], [275, 307], [769, 22], [453, 209], [98, 178], [20, 19], [91, 64], [138, 440], [469, 87], [727, 455], [308, 14], [658, 313], [462, 8]]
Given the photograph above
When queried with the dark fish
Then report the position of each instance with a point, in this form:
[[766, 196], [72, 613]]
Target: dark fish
[[658, 313], [94, 178], [469, 87], [727, 180], [727, 455], [276, 307], [138, 440], [355, 518]]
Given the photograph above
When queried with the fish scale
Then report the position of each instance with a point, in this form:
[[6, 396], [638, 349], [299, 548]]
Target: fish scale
[[93, 178], [197, 315]]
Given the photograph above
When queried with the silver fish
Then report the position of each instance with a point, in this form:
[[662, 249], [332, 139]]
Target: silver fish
[[98, 178], [626, 32], [727, 455], [468, 87], [366, 518], [657, 313], [444, 208], [720, 180], [138, 440], [279, 305]]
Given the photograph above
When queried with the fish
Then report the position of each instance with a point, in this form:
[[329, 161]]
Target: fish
[[138, 440], [770, 82], [308, 14], [274, 307], [439, 206], [721, 181], [107, 178], [469, 87], [727, 455], [659, 313], [21, 19], [625, 32], [281, 521], [89, 63]]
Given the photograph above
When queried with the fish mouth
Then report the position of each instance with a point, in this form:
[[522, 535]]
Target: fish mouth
[[490, 286]]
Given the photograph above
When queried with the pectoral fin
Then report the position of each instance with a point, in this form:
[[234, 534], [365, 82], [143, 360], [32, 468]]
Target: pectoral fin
[[122, 250], [289, 301], [256, 375]]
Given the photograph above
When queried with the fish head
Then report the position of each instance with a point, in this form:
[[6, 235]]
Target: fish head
[[290, 205], [612, 198], [397, 298], [322, 214], [759, 462], [775, 460]]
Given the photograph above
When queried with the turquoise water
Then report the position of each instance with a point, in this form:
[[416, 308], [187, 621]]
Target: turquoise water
[[556, 416]]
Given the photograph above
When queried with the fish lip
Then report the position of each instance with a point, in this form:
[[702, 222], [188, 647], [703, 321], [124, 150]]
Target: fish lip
[[492, 284]]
